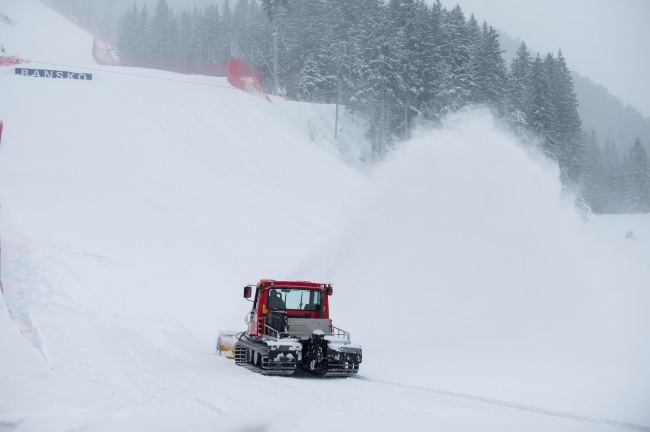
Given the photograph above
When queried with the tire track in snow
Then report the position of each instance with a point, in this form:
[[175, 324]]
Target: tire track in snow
[[516, 405]]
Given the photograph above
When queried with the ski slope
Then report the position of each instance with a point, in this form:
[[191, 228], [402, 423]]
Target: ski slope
[[135, 207]]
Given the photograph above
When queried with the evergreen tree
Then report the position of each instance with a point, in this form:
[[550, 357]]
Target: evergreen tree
[[213, 34], [143, 37], [274, 7], [292, 39], [226, 33], [261, 49], [540, 111], [593, 182], [433, 95], [345, 17], [172, 46], [185, 42], [456, 54], [238, 29], [423, 72], [612, 187], [569, 127], [258, 52], [405, 42], [127, 40], [361, 53], [490, 80], [316, 77], [380, 79], [637, 179], [159, 39], [474, 46], [552, 146], [200, 39], [520, 88]]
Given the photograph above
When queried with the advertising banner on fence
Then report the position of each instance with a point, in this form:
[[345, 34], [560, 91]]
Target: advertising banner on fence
[[46, 73]]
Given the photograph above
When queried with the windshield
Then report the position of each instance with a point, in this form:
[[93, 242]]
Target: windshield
[[295, 299]]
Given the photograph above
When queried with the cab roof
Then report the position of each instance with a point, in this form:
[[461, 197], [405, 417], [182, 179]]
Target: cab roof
[[266, 283]]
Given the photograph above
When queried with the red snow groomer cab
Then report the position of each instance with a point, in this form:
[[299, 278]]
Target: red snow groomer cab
[[289, 331]]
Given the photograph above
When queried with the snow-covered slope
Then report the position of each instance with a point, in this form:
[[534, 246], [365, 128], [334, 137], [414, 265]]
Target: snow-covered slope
[[136, 206], [40, 34]]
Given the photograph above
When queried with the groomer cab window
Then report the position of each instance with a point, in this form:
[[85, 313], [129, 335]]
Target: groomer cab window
[[294, 299]]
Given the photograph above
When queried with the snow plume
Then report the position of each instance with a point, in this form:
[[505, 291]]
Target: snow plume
[[466, 258], [463, 214]]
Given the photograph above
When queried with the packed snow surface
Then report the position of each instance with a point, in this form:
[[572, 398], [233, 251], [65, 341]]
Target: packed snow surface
[[136, 206]]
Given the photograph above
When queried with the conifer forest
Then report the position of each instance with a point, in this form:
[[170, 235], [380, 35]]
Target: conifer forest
[[396, 64]]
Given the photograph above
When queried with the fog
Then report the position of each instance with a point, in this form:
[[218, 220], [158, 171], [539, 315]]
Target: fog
[[606, 41]]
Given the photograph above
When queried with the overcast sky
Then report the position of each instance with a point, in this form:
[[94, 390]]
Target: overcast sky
[[606, 40]]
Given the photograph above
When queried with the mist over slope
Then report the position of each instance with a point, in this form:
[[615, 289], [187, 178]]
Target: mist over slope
[[606, 115], [599, 110], [476, 269], [132, 217]]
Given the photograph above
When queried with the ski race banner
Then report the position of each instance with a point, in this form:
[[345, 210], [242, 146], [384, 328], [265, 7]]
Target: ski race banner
[[47, 73]]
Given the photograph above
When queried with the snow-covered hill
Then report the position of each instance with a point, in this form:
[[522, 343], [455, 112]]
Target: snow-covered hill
[[136, 206]]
